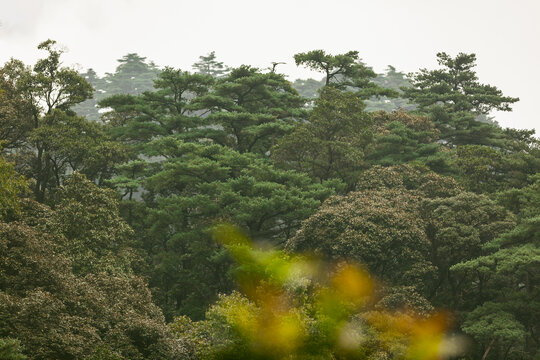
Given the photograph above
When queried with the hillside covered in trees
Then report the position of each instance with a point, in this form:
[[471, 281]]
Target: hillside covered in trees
[[229, 213]]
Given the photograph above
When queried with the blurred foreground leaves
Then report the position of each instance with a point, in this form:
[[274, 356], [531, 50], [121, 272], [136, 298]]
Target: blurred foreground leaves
[[298, 307]]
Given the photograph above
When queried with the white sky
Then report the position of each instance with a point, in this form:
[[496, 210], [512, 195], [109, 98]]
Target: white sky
[[505, 35]]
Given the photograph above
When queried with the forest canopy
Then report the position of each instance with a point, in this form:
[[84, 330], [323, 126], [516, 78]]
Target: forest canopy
[[229, 213]]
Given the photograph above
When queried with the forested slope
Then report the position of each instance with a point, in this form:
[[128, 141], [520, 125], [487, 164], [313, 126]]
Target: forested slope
[[227, 213]]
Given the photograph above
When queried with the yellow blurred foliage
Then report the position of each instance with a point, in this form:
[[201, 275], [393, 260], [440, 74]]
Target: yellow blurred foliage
[[336, 307], [353, 284]]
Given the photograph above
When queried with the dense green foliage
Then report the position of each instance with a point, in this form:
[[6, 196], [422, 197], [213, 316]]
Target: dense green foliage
[[367, 213], [67, 282], [196, 185], [456, 100], [10, 349], [332, 143], [49, 140], [391, 79]]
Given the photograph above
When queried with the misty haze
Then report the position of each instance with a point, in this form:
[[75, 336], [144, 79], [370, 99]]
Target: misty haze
[[269, 180]]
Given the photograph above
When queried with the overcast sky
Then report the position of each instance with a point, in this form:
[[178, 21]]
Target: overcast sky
[[505, 35]]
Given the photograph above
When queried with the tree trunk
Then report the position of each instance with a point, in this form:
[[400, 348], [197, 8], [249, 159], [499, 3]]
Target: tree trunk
[[487, 350]]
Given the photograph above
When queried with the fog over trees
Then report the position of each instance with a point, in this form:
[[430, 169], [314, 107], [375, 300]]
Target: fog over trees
[[229, 212]]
